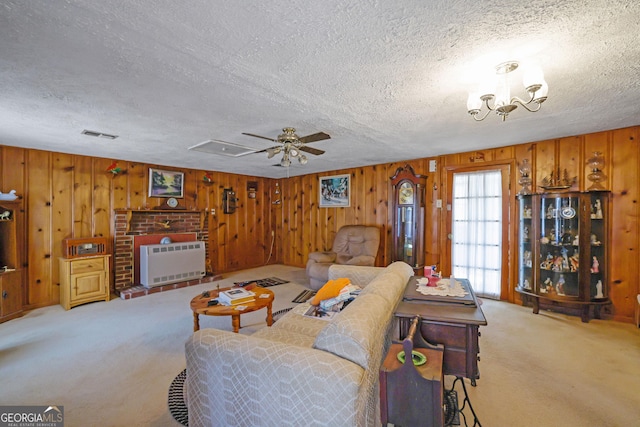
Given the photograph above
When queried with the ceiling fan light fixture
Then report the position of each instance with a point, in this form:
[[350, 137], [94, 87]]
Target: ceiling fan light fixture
[[285, 162], [272, 152], [302, 159]]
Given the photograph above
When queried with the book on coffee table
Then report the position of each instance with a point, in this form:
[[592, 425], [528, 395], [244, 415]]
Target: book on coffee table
[[236, 296]]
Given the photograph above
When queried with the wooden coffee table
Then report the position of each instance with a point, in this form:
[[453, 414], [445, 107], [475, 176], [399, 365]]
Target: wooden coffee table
[[199, 306]]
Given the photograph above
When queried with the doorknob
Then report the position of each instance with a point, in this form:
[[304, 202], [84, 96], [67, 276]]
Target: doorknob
[[450, 236]]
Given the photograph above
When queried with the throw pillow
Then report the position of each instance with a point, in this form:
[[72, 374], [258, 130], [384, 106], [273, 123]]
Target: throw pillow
[[330, 289]]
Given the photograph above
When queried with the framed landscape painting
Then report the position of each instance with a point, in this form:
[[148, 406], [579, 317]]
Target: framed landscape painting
[[163, 183], [335, 191]]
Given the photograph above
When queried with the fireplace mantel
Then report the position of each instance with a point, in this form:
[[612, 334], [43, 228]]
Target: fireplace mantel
[[129, 213]]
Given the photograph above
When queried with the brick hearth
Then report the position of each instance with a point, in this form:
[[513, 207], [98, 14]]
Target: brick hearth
[[140, 291]]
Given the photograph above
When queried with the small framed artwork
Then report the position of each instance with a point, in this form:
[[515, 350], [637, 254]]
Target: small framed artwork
[[163, 183], [335, 191]]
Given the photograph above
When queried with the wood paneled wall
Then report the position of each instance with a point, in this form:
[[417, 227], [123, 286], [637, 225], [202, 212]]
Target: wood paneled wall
[[66, 195], [73, 196], [307, 228]]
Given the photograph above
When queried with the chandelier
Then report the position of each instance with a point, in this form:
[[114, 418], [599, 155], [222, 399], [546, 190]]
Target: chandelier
[[503, 103]]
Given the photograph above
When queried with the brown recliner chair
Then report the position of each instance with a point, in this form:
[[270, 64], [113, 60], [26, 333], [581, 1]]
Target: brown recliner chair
[[353, 245]]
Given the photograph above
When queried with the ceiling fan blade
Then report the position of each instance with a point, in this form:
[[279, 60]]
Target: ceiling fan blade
[[258, 136], [311, 150], [314, 137], [270, 148]]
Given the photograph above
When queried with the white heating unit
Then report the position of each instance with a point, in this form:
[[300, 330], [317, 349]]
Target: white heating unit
[[171, 263]]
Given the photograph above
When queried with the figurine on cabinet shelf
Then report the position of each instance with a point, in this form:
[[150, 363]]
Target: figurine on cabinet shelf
[[565, 259], [548, 286], [525, 233], [595, 267], [598, 209], [595, 241], [547, 263], [544, 240], [574, 262], [550, 211], [560, 285], [576, 240], [526, 284], [566, 238], [599, 289], [526, 258], [526, 212]]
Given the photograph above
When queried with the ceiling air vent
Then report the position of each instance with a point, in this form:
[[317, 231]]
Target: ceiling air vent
[[98, 134], [222, 148]]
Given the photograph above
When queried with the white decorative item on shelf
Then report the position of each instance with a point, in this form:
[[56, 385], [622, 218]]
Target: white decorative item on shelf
[[11, 195]]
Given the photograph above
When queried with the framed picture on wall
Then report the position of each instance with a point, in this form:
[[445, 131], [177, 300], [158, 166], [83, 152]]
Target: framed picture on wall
[[335, 191], [164, 183]]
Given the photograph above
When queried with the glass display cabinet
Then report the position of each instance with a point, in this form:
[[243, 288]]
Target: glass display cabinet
[[408, 217], [563, 247]]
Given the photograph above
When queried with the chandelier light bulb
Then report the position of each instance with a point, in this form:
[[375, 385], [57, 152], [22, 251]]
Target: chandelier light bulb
[[302, 159], [533, 78]]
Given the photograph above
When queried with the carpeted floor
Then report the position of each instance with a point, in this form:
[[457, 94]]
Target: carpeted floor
[[111, 364]]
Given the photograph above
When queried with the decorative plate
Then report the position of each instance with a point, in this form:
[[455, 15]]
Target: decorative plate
[[567, 212]]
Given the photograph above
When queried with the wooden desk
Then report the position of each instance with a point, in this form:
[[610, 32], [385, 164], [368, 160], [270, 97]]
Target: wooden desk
[[453, 324]]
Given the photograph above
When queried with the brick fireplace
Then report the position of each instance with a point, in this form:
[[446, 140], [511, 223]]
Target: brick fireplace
[[144, 227]]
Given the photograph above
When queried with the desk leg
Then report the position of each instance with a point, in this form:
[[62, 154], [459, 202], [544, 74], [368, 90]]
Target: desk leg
[[196, 322], [269, 315], [465, 402], [235, 322]]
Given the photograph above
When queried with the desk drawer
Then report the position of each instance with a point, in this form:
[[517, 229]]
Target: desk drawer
[[80, 266]]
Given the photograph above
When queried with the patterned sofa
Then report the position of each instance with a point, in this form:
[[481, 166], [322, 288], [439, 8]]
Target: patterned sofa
[[301, 371]]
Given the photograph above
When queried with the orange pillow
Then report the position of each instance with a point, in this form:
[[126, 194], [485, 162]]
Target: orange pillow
[[331, 289]]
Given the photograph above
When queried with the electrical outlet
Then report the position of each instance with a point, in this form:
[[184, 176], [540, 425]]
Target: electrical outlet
[[439, 203], [213, 211]]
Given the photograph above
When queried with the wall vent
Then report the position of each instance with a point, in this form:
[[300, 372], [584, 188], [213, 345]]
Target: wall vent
[[98, 134]]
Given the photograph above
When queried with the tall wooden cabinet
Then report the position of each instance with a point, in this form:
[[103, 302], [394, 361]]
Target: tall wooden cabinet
[[84, 280], [10, 268], [563, 251]]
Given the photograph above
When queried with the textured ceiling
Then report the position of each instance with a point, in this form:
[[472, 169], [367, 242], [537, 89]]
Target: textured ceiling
[[387, 80]]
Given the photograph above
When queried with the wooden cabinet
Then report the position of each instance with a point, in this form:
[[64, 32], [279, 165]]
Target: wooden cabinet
[[408, 217], [10, 269], [84, 280], [563, 248]]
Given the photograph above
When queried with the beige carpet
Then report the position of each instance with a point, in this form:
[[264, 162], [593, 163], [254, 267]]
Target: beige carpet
[[110, 364]]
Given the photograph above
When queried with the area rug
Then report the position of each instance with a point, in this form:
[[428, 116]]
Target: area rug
[[304, 296], [263, 283], [177, 405]]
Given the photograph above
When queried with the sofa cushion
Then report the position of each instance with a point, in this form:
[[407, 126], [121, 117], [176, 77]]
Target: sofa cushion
[[354, 333]]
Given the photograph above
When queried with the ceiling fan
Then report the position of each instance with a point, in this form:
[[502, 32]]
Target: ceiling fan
[[292, 146]]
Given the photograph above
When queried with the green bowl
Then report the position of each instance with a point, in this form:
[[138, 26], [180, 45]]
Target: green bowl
[[418, 358]]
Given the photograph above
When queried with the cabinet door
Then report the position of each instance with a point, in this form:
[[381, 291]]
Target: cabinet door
[[597, 245], [560, 239], [88, 285], [526, 254], [10, 287]]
